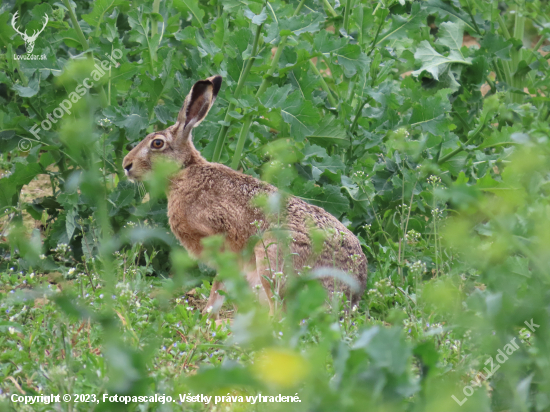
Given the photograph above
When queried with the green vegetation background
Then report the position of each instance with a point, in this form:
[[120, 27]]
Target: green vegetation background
[[423, 126]]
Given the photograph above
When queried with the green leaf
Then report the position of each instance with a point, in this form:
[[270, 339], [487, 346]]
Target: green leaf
[[300, 114], [435, 63], [400, 24], [329, 197], [275, 96], [304, 23], [133, 118], [101, 7], [445, 9], [330, 132], [496, 45], [11, 185], [386, 347], [326, 42], [27, 91], [70, 223], [351, 58], [256, 19], [331, 164], [431, 112], [191, 6]]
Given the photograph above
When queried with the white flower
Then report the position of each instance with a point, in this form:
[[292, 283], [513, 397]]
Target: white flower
[[71, 271], [11, 330], [434, 180]]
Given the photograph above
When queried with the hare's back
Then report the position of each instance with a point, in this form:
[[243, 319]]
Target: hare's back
[[342, 249], [208, 199]]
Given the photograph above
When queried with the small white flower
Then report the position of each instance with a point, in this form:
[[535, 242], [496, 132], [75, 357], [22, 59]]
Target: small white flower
[[71, 271], [11, 330]]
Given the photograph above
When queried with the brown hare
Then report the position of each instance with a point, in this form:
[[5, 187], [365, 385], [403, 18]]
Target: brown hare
[[206, 199]]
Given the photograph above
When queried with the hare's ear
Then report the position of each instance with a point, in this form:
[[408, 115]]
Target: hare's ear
[[198, 102]]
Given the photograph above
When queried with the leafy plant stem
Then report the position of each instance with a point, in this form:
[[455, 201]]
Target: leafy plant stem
[[346, 15], [533, 55], [277, 56], [469, 11], [154, 25], [79, 33], [85, 45], [519, 28], [475, 133], [240, 143], [357, 116], [373, 44], [464, 122], [35, 110], [435, 214], [324, 84], [263, 86], [501, 144], [244, 74], [503, 28], [330, 9]]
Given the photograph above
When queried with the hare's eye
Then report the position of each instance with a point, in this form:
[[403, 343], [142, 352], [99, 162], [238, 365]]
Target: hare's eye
[[157, 144]]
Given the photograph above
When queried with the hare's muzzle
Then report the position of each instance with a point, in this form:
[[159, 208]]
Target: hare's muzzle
[[127, 166]]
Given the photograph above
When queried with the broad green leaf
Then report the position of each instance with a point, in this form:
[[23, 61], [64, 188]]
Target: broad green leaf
[[27, 91], [329, 197], [446, 9], [331, 164], [191, 6], [330, 132], [400, 25], [493, 44], [300, 114], [133, 118], [351, 58], [11, 185], [326, 42], [70, 223], [430, 115], [434, 62], [304, 23], [101, 7], [275, 96], [256, 19]]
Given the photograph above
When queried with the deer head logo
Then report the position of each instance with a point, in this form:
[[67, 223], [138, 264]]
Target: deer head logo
[[29, 40]]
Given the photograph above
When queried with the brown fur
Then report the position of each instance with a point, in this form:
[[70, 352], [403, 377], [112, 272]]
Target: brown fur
[[207, 199]]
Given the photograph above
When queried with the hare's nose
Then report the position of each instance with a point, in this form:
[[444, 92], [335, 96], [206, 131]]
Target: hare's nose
[[128, 167]]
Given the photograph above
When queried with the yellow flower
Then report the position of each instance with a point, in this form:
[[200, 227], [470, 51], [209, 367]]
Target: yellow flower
[[280, 367]]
